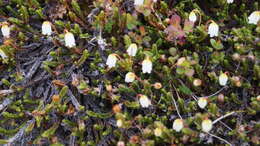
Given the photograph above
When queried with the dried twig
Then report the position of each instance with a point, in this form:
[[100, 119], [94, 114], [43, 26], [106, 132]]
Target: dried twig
[[6, 92], [20, 133], [74, 100], [5, 103]]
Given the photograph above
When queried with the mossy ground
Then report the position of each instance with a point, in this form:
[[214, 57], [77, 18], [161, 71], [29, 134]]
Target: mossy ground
[[54, 95]]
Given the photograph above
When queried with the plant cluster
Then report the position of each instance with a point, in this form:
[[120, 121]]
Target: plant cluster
[[129, 72]]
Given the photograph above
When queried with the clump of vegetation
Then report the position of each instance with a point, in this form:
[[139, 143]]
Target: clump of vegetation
[[129, 72]]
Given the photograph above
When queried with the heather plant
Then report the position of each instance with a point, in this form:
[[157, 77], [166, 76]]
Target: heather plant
[[129, 72]]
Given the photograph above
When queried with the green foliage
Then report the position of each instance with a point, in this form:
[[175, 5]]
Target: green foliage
[[52, 94]]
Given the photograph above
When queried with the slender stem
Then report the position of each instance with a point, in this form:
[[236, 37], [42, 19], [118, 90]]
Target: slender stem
[[226, 125], [220, 138], [215, 92], [174, 101], [222, 117]]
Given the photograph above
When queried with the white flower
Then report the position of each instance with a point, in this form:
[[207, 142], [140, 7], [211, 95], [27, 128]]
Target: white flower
[[120, 143], [157, 131], [139, 2], [2, 54], [5, 30], [119, 123], [144, 101], [111, 60], [180, 61], [223, 78], [206, 125], [132, 49], [69, 40], [202, 102], [177, 125], [147, 66], [213, 29], [46, 28], [230, 1], [192, 17], [129, 77], [197, 82], [254, 17]]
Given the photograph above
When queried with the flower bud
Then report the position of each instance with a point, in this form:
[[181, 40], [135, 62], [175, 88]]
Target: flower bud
[[144, 101], [111, 60], [206, 125], [132, 50], [202, 102], [157, 85], [223, 78], [69, 39], [46, 28], [197, 82], [158, 132], [178, 125], [254, 17], [138, 2], [192, 16], [119, 123], [213, 29], [129, 77], [120, 143], [5, 30], [230, 1], [147, 66]]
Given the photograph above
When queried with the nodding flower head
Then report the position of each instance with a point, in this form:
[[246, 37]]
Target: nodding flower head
[[129, 77], [132, 50], [254, 17], [147, 65], [111, 60], [192, 16], [5, 30], [69, 39], [213, 29], [178, 125], [46, 28], [206, 125], [144, 101]]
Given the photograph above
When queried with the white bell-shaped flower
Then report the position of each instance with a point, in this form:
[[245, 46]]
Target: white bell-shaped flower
[[69, 40], [147, 66], [223, 78], [254, 17], [139, 2], [202, 102], [144, 101], [120, 143], [5, 30], [230, 1], [129, 77], [119, 123], [178, 125], [192, 16], [206, 125], [46, 28], [111, 60], [2, 54], [213, 29], [132, 50], [158, 131]]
